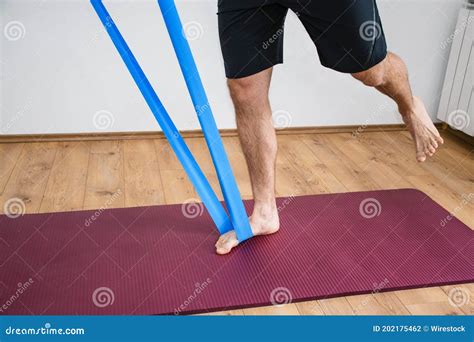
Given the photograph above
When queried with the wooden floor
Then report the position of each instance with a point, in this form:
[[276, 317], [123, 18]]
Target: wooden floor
[[63, 176]]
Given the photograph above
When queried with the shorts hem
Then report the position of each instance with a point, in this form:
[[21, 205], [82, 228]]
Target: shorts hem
[[254, 71], [359, 68]]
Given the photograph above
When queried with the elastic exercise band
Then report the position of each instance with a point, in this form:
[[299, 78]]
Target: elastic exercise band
[[197, 177], [190, 72]]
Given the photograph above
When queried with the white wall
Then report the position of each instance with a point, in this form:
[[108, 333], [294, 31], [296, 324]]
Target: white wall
[[64, 69]]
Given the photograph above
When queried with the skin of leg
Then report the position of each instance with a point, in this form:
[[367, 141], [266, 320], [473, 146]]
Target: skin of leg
[[390, 77], [258, 140]]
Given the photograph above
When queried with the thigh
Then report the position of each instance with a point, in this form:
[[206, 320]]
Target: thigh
[[251, 39], [348, 34]]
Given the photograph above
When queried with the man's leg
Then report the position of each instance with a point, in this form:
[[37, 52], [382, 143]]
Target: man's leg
[[390, 77], [258, 140]]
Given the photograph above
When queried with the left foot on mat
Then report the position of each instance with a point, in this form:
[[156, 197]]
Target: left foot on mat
[[261, 224]]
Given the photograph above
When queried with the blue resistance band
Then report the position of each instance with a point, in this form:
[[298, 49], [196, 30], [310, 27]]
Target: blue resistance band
[[182, 152], [180, 148], [190, 72]]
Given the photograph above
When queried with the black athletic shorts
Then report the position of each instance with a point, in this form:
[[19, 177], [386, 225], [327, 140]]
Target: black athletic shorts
[[348, 34]]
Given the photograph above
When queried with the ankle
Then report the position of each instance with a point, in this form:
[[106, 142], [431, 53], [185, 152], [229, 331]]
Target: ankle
[[407, 114], [265, 210], [408, 110]]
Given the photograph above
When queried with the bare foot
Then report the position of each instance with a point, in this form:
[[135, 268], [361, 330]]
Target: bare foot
[[423, 131], [264, 221]]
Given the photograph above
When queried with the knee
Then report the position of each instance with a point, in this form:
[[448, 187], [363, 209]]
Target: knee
[[373, 77], [244, 91]]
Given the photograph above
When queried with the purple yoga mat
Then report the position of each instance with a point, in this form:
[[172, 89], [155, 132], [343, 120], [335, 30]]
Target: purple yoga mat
[[161, 259]]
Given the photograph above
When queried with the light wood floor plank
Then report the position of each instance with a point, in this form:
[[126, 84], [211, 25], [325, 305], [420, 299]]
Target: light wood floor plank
[[105, 182], [349, 174], [286, 310], [427, 301], [224, 313], [166, 158], [310, 308], [315, 174], [462, 296], [385, 147], [177, 187], [367, 305], [364, 158], [392, 303], [9, 155], [142, 177], [30, 175], [336, 306], [201, 153], [386, 303], [67, 182]]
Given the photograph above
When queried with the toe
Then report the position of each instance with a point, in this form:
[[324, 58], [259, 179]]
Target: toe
[[221, 250], [226, 242], [420, 156], [221, 247], [420, 152], [431, 150], [434, 143]]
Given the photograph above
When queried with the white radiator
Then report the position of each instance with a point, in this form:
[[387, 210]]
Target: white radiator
[[456, 106]]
